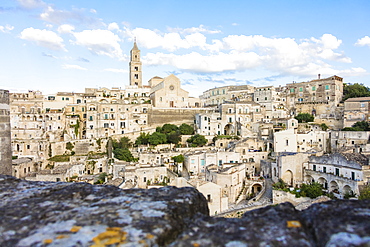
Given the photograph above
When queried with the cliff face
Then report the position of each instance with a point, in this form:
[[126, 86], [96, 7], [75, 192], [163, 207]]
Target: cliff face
[[75, 214]]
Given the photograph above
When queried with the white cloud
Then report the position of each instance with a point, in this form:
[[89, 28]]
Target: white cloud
[[93, 11], [44, 38], [31, 4], [66, 28], [116, 70], [200, 29], [241, 52], [62, 16], [6, 29], [206, 64], [73, 66], [100, 42], [169, 41], [113, 26], [363, 41]]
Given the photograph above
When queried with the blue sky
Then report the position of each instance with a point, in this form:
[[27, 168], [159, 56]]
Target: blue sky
[[68, 45]]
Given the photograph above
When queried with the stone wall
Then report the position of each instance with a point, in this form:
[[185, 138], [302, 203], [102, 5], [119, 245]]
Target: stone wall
[[169, 115], [79, 214], [5, 134]]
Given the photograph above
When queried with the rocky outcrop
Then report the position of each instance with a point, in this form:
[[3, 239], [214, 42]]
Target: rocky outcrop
[[78, 214]]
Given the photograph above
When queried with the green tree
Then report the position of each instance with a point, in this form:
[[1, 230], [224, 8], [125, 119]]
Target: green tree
[[168, 128], [197, 140], [358, 126], [312, 190], [280, 185], [365, 193], [355, 90], [179, 158], [186, 129], [173, 137], [124, 142], [157, 138], [324, 127], [123, 154], [363, 125], [304, 118], [143, 139], [69, 146]]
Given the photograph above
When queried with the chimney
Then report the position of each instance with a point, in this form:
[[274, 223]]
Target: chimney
[[319, 76]]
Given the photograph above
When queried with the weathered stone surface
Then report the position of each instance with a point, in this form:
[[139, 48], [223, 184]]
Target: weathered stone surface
[[339, 223], [78, 214], [270, 226]]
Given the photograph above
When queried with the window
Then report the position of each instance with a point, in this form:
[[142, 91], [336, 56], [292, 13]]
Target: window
[[313, 88], [337, 171], [73, 109], [136, 76], [67, 98], [106, 125], [327, 87], [136, 68], [91, 118], [300, 89], [292, 90], [286, 142]]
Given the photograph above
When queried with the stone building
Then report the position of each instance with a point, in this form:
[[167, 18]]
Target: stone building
[[356, 110], [5, 134], [357, 141], [320, 97], [167, 93], [290, 141], [290, 167], [135, 67], [217, 96], [230, 177], [196, 162], [339, 173]]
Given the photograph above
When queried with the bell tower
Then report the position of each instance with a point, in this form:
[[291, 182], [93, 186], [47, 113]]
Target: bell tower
[[135, 67]]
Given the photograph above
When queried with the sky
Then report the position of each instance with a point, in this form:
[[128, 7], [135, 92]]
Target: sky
[[69, 45]]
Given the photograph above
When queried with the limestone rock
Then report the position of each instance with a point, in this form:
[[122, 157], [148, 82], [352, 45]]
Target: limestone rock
[[339, 223], [270, 226], [79, 214]]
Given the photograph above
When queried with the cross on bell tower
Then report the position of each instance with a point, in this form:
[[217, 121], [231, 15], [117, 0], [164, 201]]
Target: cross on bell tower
[[135, 67]]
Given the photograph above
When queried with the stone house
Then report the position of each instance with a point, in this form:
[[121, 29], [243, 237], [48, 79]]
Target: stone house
[[230, 177], [196, 162], [339, 173], [356, 110]]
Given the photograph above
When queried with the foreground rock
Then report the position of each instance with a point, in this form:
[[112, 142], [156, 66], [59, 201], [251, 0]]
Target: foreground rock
[[74, 214]]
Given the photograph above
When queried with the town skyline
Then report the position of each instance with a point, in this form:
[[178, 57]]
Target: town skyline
[[51, 46]]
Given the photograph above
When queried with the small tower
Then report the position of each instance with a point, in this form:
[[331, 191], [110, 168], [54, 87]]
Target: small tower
[[135, 67]]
